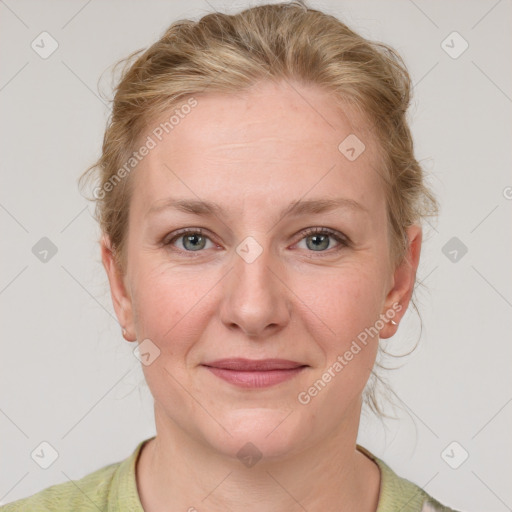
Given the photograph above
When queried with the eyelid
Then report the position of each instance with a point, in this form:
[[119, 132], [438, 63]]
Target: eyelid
[[175, 235], [324, 230], [341, 238], [170, 237]]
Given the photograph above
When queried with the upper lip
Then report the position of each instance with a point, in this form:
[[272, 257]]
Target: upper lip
[[242, 364]]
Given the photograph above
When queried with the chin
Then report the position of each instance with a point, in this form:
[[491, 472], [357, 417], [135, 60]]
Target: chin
[[262, 432]]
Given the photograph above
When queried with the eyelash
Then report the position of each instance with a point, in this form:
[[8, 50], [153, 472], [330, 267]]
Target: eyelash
[[342, 240]]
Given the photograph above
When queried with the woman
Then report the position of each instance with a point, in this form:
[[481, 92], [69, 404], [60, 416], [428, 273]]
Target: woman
[[261, 210]]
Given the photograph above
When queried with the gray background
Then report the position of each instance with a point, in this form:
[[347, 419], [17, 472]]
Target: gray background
[[68, 377]]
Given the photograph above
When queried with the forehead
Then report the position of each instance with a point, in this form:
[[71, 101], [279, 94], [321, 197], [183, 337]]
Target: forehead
[[274, 142]]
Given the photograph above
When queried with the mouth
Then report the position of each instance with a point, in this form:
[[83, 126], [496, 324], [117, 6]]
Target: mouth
[[252, 373]]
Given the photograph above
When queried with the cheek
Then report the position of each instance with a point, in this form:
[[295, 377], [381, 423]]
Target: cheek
[[346, 309], [351, 310], [169, 305], [170, 310], [346, 301]]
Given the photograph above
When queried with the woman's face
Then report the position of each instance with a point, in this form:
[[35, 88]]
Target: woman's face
[[255, 283]]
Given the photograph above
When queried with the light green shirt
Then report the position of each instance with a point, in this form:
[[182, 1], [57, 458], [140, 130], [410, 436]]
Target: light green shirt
[[113, 488]]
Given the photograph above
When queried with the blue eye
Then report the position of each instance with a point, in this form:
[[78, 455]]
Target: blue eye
[[192, 240], [319, 239]]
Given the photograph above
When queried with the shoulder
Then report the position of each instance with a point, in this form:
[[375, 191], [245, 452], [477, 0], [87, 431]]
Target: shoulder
[[397, 493], [109, 488], [89, 492]]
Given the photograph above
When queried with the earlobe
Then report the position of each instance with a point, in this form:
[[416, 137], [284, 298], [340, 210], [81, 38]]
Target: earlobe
[[120, 298], [404, 279]]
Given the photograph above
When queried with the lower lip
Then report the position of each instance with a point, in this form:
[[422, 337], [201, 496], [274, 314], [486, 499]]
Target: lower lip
[[255, 379]]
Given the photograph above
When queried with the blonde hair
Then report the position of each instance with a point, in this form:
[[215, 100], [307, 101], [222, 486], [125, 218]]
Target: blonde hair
[[230, 53]]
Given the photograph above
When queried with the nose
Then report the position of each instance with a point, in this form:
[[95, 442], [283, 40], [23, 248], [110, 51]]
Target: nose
[[255, 298]]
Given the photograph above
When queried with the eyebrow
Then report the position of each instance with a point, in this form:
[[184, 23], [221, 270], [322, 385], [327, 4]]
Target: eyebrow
[[295, 208]]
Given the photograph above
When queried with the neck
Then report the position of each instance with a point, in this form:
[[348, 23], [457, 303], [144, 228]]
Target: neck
[[175, 471]]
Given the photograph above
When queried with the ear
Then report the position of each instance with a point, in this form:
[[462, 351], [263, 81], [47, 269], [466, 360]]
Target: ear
[[120, 298], [404, 279]]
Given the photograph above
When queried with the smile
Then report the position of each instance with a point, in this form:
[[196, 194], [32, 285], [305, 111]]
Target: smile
[[248, 373]]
